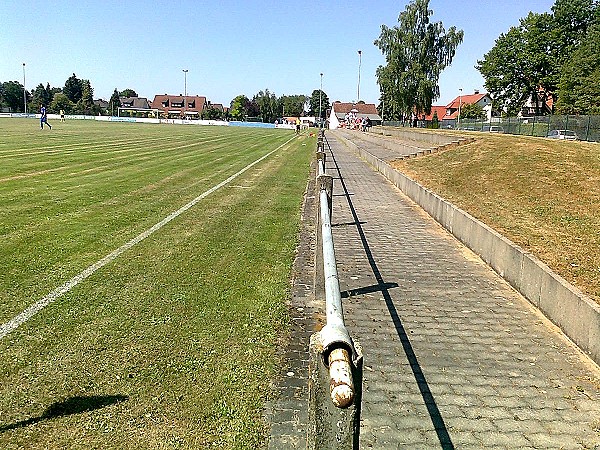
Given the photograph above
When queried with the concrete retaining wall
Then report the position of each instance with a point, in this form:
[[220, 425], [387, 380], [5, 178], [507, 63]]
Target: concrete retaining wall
[[577, 315]]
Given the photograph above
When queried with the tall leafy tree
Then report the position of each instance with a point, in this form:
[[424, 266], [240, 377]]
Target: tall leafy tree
[[73, 88], [86, 102], [416, 52], [114, 103], [42, 96], [571, 21], [528, 61], [472, 111], [62, 102], [579, 90], [318, 98], [239, 107], [293, 105], [267, 105], [12, 96], [522, 64], [128, 93]]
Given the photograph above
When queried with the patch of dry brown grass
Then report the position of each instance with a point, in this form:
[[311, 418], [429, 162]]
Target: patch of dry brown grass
[[543, 195]]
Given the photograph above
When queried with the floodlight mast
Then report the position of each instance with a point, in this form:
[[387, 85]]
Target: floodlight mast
[[24, 92], [359, 62], [320, 94], [185, 71]]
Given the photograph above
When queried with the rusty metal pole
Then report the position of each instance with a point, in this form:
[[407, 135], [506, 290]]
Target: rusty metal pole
[[335, 360], [337, 344]]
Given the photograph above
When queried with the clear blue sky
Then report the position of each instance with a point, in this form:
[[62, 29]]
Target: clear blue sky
[[233, 47]]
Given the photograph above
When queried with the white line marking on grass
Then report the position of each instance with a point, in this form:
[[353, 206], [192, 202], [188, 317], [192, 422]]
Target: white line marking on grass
[[15, 322]]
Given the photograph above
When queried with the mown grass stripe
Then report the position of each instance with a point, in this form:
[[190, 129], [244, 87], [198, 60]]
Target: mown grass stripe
[[31, 311]]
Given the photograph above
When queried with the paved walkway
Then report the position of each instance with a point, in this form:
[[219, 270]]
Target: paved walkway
[[454, 357]]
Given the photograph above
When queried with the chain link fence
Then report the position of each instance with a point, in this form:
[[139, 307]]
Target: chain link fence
[[587, 128]]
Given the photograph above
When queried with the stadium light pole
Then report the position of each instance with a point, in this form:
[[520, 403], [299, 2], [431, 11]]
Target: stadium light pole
[[185, 71], [24, 91], [359, 62], [320, 94]]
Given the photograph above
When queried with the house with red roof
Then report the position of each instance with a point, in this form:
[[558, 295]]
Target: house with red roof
[[179, 106], [440, 111], [341, 111], [448, 115], [483, 100]]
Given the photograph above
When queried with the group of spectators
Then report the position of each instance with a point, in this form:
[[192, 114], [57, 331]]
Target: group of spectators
[[353, 122]]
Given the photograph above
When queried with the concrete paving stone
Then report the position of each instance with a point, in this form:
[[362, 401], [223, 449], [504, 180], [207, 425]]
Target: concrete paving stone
[[413, 419], [450, 334], [545, 440], [481, 424], [559, 427], [406, 437], [504, 439], [462, 400]]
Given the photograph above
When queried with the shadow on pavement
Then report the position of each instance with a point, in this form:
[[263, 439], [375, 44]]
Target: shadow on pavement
[[428, 398]]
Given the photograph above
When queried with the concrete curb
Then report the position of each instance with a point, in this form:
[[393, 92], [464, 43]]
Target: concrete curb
[[577, 315]]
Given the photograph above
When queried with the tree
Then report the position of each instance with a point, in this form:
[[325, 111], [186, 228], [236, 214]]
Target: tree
[[578, 89], [61, 101], [293, 105], [128, 93], [12, 96], [318, 98], [266, 103], [211, 113], [521, 65], [114, 102], [571, 22], [435, 121], [416, 52], [73, 88], [42, 96], [85, 105], [239, 107], [472, 111], [527, 62]]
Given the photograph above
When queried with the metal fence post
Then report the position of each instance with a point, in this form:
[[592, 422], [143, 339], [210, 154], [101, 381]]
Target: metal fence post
[[587, 131]]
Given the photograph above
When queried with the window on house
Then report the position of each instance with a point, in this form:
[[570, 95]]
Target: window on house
[[165, 103]]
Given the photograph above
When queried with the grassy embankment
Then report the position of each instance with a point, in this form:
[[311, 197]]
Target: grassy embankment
[[544, 195], [173, 344]]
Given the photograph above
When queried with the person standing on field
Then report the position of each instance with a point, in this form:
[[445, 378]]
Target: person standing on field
[[44, 118]]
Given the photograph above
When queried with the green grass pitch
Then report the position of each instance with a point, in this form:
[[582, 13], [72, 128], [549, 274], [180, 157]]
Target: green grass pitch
[[172, 344]]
